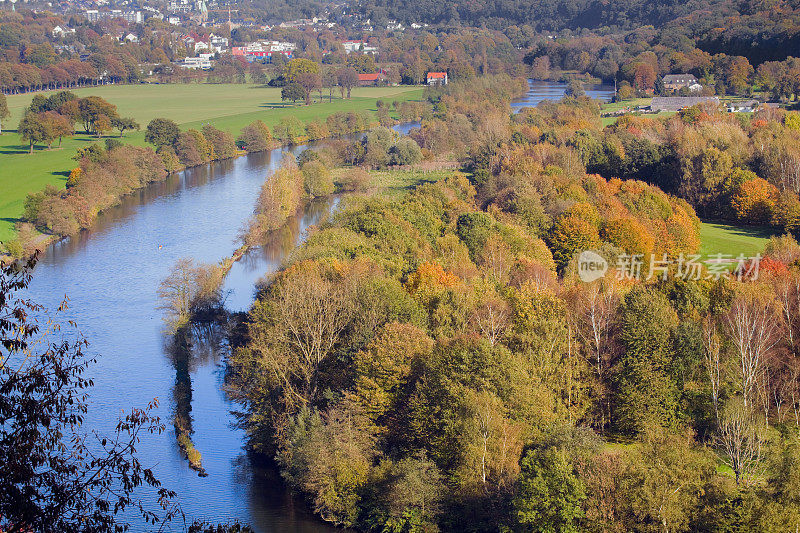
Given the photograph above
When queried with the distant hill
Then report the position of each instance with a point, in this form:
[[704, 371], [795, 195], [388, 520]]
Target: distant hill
[[758, 29]]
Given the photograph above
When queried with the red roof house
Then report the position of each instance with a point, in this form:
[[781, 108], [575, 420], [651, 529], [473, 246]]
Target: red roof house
[[366, 80], [437, 78]]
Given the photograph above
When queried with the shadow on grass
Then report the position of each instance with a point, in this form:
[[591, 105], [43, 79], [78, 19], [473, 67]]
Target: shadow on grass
[[11, 220], [761, 232], [17, 149], [276, 106]]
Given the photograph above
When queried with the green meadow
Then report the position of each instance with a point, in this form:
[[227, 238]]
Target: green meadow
[[226, 106], [716, 238]]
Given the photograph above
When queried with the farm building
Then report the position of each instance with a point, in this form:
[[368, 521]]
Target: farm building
[[676, 103]]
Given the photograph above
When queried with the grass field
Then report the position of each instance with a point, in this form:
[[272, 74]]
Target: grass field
[[718, 238], [226, 106], [633, 103]]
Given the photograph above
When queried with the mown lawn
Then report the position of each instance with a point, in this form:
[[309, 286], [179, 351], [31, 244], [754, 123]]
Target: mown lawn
[[717, 238], [226, 106]]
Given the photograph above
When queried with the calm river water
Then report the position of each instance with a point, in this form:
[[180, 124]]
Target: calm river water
[[111, 275]]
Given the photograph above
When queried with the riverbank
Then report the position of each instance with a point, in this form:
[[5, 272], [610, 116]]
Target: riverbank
[[234, 106], [31, 241]]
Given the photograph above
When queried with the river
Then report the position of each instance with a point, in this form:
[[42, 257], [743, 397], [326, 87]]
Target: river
[[111, 275]]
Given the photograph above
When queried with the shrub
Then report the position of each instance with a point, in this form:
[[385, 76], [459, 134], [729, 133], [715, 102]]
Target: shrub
[[405, 152], [317, 179], [356, 179]]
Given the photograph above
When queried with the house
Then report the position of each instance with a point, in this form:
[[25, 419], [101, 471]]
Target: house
[[676, 103], [369, 80], [264, 50], [747, 106], [132, 38], [358, 46], [203, 62], [675, 82], [218, 43], [58, 31], [436, 78]]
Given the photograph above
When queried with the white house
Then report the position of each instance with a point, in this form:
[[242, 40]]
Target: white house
[[58, 31], [358, 46], [203, 61], [218, 43], [131, 38]]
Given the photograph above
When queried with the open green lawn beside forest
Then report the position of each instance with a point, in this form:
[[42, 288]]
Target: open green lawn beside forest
[[716, 238], [227, 106]]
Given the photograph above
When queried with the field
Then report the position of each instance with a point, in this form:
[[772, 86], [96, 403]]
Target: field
[[718, 238], [226, 106]]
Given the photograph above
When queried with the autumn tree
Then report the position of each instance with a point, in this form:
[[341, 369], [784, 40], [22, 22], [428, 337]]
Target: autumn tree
[[4, 112], [347, 78], [309, 81], [310, 307]]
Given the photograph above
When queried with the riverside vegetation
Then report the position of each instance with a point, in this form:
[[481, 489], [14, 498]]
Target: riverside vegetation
[[432, 362], [108, 171]]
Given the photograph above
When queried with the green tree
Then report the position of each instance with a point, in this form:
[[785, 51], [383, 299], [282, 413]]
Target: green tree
[[549, 494], [663, 484], [575, 88], [124, 123], [162, 132], [317, 179], [406, 151], [647, 393], [33, 129], [294, 92], [298, 66]]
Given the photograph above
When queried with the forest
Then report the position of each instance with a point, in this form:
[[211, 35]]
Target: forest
[[436, 362]]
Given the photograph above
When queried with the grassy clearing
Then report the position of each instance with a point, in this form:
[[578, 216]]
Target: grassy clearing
[[227, 106], [623, 104], [394, 183], [716, 238]]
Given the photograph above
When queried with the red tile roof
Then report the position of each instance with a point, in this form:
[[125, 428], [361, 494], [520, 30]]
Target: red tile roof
[[436, 75], [368, 77]]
